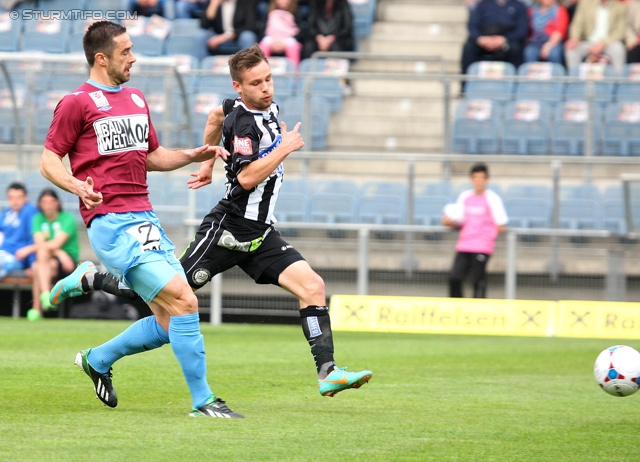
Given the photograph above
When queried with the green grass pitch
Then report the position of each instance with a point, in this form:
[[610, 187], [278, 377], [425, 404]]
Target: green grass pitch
[[432, 398]]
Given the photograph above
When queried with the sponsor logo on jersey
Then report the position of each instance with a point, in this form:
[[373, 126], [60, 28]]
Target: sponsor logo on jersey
[[120, 134], [99, 98], [136, 99], [266, 151], [242, 146]]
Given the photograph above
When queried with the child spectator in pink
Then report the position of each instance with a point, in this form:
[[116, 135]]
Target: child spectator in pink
[[484, 218], [281, 31]]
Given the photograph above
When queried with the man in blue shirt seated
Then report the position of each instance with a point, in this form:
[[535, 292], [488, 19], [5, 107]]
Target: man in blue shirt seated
[[16, 250]]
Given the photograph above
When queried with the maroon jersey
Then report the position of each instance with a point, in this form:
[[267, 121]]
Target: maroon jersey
[[107, 135]]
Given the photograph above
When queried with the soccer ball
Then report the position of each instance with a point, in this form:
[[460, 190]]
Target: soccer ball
[[617, 370], [454, 212]]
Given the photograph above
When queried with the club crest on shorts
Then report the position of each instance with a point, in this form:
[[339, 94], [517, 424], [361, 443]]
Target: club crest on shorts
[[201, 275]]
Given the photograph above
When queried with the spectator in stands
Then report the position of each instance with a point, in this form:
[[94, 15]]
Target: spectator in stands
[[281, 33], [497, 32], [55, 235], [16, 251], [548, 25], [596, 32], [190, 9], [481, 219], [164, 8], [632, 40], [330, 27], [229, 26]]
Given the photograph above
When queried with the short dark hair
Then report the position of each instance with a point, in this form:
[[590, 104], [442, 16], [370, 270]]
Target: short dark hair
[[479, 167], [18, 186], [51, 193], [99, 39], [245, 59]]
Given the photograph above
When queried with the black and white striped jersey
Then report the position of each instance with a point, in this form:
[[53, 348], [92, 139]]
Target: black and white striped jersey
[[249, 135]]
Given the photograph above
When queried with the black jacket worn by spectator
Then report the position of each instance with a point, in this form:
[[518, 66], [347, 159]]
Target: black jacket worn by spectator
[[338, 22], [244, 18]]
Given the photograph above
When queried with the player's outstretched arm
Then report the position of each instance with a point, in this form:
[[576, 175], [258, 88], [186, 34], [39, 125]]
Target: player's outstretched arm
[[164, 160], [54, 170], [257, 171]]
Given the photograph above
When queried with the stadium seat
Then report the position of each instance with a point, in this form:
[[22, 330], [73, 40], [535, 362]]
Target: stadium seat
[[148, 45], [613, 216], [492, 85], [292, 206], [292, 112], [526, 127], [217, 79], [476, 127], [336, 186], [577, 91], [528, 212], [185, 26], [9, 41], [620, 135], [382, 209], [180, 44], [529, 191], [34, 40], [427, 209], [541, 84], [374, 188], [328, 84], [332, 208], [628, 89], [61, 5], [568, 131], [580, 191], [434, 188], [579, 214], [363, 17]]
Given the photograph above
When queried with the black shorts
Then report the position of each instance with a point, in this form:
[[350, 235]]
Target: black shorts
[[261, 253]]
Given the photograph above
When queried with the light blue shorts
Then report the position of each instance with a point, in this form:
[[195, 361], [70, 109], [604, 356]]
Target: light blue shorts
[[135, 249]]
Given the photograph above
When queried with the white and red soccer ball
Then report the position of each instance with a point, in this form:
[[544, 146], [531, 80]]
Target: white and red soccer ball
[[617, 370]]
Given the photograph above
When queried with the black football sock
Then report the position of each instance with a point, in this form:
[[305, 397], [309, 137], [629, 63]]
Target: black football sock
[[316, 326], [108, 283]]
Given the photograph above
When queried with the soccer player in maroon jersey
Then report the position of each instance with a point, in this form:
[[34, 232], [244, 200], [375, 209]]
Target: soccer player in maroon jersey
[[106, 130]]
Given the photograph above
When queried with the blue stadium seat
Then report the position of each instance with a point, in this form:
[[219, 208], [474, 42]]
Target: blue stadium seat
[[434, 188], [291, 112], [528, 212], [180, 44], [621, 136], [148, 45], [613, 216], [628, 89], [579, 214], [328, 85], [332, 208], [218, 79], [336, 186], [382, 209], [474, 133], [526, 128], [541, 84], [580, 191], [374, 188], [490, 87], [577, 91], [427, 209], [33, 40], [9, 41], [292, 206], [568, 130], [532, 191], [185, 26], [61, 5]]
